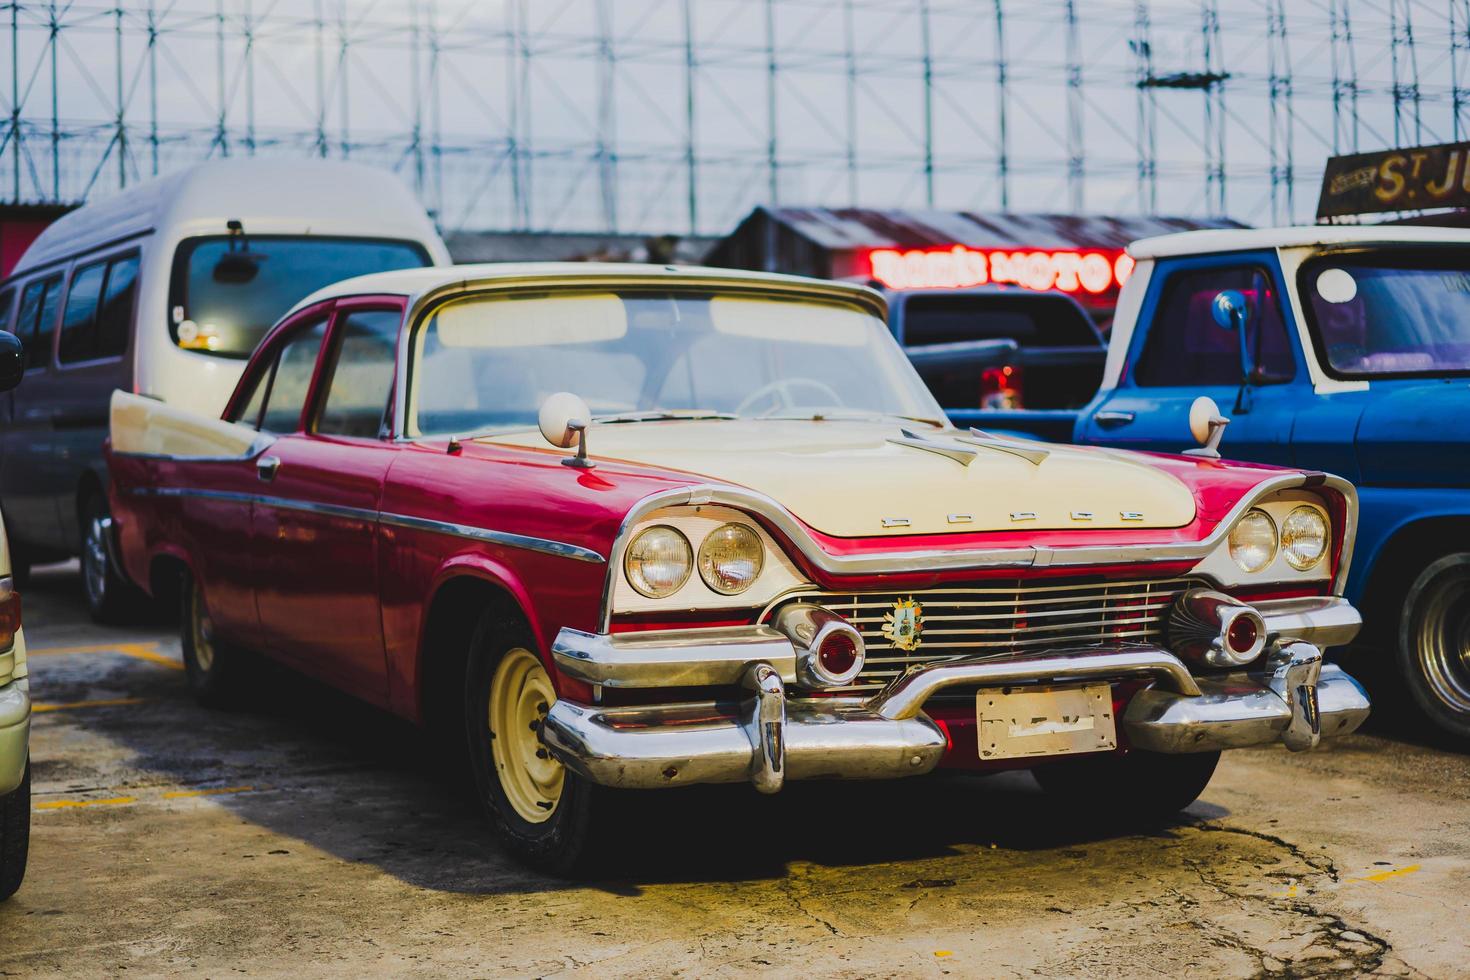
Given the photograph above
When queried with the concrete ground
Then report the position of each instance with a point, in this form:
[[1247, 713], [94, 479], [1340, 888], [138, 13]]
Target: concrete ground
[[314, 836]]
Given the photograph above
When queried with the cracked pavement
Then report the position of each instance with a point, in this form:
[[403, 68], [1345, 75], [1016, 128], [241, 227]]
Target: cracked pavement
[[314, 835]]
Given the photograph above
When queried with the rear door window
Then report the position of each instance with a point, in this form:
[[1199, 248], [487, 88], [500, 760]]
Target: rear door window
[[1185, 346], [290, 383], [79, 325], [115, 316], [361, 375], [99, 310]]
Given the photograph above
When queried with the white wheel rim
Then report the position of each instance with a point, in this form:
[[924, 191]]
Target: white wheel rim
[[202, 631], [520, 695]]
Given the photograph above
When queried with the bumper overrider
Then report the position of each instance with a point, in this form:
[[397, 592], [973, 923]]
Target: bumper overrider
[[1288, 695]]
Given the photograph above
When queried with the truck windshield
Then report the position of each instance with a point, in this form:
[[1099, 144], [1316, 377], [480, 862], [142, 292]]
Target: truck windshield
[[226, 293], [1390, 313], [487, 362]]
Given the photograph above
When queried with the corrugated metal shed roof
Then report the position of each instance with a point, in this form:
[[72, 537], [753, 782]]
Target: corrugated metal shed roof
[[838, 229]]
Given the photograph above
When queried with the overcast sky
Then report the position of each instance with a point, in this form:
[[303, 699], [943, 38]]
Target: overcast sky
[[526, 116]]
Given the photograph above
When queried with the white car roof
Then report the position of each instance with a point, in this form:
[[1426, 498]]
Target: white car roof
[[317, 197], [416, 283], [1214, 240]]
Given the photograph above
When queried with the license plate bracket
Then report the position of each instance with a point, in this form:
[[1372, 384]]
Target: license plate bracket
[[1023, 722]]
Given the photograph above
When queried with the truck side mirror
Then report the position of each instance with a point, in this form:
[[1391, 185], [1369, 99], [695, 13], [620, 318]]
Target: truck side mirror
[[12, 360], [1231, 313]]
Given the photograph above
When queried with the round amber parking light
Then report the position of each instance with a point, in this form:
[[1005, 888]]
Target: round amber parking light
[[1304, 538], [658, 561], [1253, 541], [730, 558]]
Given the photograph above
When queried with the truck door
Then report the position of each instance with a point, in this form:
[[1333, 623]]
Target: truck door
[[1180, 353]]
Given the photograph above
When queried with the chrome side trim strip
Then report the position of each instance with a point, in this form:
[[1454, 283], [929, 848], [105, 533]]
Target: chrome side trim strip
[[934, 560], [506, 539], [524, 542]]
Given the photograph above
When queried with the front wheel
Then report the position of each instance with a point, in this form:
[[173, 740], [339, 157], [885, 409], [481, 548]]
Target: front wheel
[[110, 597], [1139, 789], [15, 835], [215, 669], [1434, 643], [539, 809]]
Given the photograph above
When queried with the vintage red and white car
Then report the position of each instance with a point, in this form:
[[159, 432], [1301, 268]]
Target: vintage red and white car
[[637, 527]]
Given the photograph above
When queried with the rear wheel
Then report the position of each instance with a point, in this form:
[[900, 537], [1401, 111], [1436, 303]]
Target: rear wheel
[[15, 835], [110, 597], [1139, 789], [1434, 643], [215, 668], [539, 809]]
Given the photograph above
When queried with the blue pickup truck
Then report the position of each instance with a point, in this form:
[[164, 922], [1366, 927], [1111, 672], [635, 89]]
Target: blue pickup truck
[[1338, 348]]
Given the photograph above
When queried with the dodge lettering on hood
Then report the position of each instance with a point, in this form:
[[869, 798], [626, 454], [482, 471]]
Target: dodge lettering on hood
[[626, 527]]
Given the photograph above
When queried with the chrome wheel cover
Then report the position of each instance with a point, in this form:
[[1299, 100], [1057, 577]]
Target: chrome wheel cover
[[94, 562], [1442, 637], [520, 695]]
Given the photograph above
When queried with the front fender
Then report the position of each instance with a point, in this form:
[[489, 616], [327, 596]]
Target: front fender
[[1384, 513]]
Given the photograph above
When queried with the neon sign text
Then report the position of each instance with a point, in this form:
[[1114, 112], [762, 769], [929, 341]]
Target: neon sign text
[[958, 267]]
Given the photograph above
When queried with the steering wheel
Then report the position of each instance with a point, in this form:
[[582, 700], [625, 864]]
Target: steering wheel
[[784, 389]]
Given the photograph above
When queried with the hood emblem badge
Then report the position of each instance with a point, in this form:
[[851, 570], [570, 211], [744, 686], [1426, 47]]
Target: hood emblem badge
[[894, 521], [903, 625], [1131, 515], [1023, 515]]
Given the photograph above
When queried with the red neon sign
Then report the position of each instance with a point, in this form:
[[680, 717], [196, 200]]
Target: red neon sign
[[957, 267]]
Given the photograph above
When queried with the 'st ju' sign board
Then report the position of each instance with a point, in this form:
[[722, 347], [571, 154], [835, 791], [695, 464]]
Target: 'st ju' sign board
[[1396, 180]]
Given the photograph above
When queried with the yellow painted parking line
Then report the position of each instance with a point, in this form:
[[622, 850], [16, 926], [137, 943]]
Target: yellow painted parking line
[[138, 651], [1385, 875], [183, 794], [64, 804], [69, 705]]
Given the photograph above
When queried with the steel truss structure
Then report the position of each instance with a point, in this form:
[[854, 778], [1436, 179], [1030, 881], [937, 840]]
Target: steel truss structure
[[679, 115]]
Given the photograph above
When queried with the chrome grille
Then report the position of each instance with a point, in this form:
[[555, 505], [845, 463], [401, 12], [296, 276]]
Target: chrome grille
[[1004, 619]]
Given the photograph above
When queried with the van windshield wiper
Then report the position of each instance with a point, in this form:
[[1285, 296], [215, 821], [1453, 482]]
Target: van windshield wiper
[[663, 415]]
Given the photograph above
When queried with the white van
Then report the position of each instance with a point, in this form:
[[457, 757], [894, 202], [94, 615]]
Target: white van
[[163, 290]]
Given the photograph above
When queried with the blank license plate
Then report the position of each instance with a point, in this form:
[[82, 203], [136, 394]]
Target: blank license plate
[[1022, 722]]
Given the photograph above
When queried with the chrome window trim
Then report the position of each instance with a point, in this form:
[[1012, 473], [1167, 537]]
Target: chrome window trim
[[261, 443], [507, 539], [933, 560]]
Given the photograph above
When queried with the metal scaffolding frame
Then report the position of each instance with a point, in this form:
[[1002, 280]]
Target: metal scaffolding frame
[[679, 115]]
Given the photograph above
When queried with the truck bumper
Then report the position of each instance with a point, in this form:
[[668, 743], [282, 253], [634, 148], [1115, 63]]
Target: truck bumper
[[15, 734], [1292, 697]]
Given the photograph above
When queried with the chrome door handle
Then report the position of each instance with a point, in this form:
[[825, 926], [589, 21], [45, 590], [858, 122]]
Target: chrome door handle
[[266, 467], [1113, 420]]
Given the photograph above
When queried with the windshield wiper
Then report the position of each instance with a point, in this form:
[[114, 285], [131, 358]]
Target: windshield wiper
[[848, 415], [663, 415]]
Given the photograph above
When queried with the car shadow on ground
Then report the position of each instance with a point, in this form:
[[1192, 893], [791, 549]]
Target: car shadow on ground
[[309, 763]]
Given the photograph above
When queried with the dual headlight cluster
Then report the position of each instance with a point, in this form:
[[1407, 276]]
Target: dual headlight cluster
[[660, 560], [1302, 539]]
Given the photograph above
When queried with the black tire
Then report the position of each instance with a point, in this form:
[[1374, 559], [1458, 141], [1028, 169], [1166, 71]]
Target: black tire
[[1433, 635], [561, 842], [216, 670], [110, 597], [1136, 790], [15, 835]]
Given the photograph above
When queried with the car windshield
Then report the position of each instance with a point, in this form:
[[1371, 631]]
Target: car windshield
[[486, 363], [1403, 312], [227, 292]]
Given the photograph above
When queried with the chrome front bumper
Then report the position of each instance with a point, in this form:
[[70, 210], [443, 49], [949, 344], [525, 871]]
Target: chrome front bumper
[[768, 738]]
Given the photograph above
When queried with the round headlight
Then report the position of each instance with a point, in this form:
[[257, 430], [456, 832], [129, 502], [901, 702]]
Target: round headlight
[[658, 562], [1253, 541], [730, 558], [1304, 537]]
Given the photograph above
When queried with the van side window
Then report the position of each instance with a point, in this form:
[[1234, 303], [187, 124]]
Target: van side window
[[1186, 347], [99, 310], [37, 318], [361, 375], [79, 324], [115, 316], [286, 397]]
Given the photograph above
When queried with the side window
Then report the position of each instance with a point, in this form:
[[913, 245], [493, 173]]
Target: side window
[[37, 318], [361, 375], [291, 380], [1185, 345], [250, 413], [79, 324], [115, 316]]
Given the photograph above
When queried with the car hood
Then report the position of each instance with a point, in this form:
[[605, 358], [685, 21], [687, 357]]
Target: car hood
[[850, 479]]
